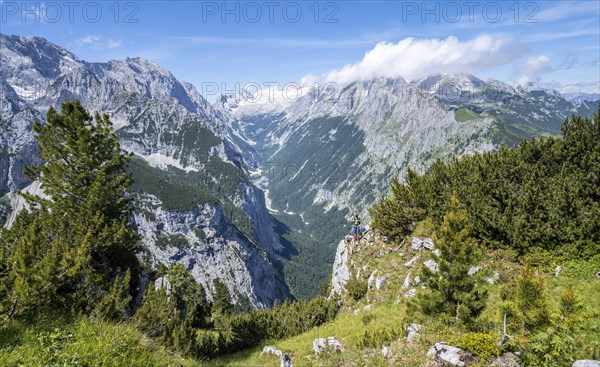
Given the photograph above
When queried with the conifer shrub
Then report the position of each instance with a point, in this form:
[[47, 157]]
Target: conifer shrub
[[451, 292], [484, 346], [356, 288]]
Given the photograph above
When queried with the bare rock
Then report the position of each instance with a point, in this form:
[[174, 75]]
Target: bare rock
[[341, 272], [586, 363], [285, 361], [444, 355], [431, 264], [506, 360], [380, 281], [410, 263], [269, 349], [416, 244], [406, 283], [330, 344], [384, 351], [428, 243], [163, 283], [371, 279], [413, 331], [474, 270]]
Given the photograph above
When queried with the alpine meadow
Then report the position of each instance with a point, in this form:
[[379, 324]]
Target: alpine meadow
[[327, 183]]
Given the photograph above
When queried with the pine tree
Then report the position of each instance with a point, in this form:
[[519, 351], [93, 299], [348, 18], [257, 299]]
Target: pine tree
[[222, 300], [190, 296], [451, 290], [78, 233]]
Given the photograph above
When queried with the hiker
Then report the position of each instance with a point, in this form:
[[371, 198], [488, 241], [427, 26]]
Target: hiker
[[355, 219]]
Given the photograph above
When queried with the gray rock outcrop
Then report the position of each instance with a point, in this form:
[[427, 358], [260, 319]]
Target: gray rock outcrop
[[506, 360], [341, 272], [586, 363], [329, 344], [444, 355]]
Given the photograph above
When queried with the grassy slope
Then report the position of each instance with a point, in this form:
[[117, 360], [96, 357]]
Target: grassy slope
[[53, 341], [387, 312]]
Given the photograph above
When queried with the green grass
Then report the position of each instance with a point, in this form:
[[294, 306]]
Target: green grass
[[53, 341], [464, 115], [348, 328]]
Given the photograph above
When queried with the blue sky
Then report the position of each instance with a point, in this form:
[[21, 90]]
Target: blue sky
[[551, 43]]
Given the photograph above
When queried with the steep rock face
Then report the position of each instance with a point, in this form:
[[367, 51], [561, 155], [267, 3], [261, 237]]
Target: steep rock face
[[189, 156], [212, 247], [17, 147], [341, 272]]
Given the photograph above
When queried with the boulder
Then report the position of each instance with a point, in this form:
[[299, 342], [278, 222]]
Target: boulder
[[379, 282], [330, 344], [417, 280], [586, 363], [428, 243], [413, 331], [506, 360], [334, 344], [411, 293], [437, 252], [285, 361], [319, 345], [269, 349], [431, 264], [443, 355], [416, 244], [474, 270]]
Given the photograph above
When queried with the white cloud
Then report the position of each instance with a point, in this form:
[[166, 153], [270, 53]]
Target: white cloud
[[590, 87], [98, 43], [533, 69], [417, 58]]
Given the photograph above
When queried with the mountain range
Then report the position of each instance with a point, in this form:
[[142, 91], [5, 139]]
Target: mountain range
[[255, 194]]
